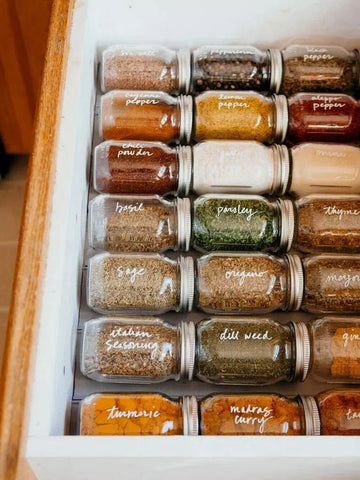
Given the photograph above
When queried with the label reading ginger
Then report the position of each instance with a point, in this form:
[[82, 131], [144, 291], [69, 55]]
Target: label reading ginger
[[345, 349]]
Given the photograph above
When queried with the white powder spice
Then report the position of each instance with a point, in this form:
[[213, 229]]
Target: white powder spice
[[233, 167]]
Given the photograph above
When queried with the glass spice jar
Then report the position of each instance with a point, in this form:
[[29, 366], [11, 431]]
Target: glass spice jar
[[339, 411], [139, 283], [332, 283], [145, 67], [318, 68], [137, 350], [134, 414], [325, 168], [331, 117], [142, 167], [335, 349], [251, 351], [242, 283], [145, 115], [328, 224], [228, 166], [258, 414], [236, 68], [242, 222], [123, 223], [240, 115]]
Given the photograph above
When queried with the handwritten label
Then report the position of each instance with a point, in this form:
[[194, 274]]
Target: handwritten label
[[134, 150], [119, 208], [242, 275], [142, 99], [121, 333], [351, 415], [232, 51], [249, 212], [251, 415], [114, 413], [231, 102], [330, 153], [230, 334], [325, 103], [346, 278], [350, 337], [339, 212], [132, 273], [131, 53]]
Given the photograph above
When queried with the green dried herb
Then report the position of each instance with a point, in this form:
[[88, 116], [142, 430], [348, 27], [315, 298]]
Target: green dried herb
[[244, 351], [230, 223]]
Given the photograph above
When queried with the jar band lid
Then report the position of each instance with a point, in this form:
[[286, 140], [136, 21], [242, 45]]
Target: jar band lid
[[312, 416], [184, 223], [296, 289], [302, 347], [282, 117], [188, 348], [287, 216], [276, 70], [184, 62], [281, 169], [190, 416], [185, 169], [186, 117], [187, 274]]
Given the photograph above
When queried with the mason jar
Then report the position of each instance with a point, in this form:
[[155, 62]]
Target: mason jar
[[124, 223], [339, 411], [230, 166], [319, 68], [137, 350], [251, 351], [242, 283], [332, 283], [233, 67], [240, 115], [145, 115], [142, 167], [147, 283], [242, 222], [145, 67], [328, 223], [326, 168]]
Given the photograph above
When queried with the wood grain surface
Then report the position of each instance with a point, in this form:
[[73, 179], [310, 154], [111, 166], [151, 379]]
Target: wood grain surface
[[15, 386]]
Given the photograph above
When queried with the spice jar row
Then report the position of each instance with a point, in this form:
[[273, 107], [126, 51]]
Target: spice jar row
[[297, 68], [237, 283], [239, 115], [226, 166], [318, 223], [221, 350], [335, 412]]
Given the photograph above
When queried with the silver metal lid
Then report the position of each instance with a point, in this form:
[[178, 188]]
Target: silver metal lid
[[276, 70], [187, 274], [184, 223], [184, 61], [296, 289], [282, 117], [287, 220], [281, 169], [184, 153], [302, 347], [188, 348], [186, 117], [312, 416], [190, 416]]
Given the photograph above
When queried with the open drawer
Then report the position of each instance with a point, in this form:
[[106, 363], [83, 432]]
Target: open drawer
[[39, 370]]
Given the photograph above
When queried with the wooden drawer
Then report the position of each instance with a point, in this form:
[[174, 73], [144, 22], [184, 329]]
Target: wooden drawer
[[38, 383]]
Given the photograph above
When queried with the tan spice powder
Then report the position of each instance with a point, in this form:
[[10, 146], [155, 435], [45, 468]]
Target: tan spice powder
[[240, 116], [241, 284], [128, 283]]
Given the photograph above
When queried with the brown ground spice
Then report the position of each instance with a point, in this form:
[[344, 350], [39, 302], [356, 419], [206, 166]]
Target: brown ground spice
[[340, 412], [130, 414], [250, 414], [238, 116], [240, 284]]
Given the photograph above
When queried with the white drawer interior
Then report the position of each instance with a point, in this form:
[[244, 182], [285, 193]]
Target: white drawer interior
[[95, 25]]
